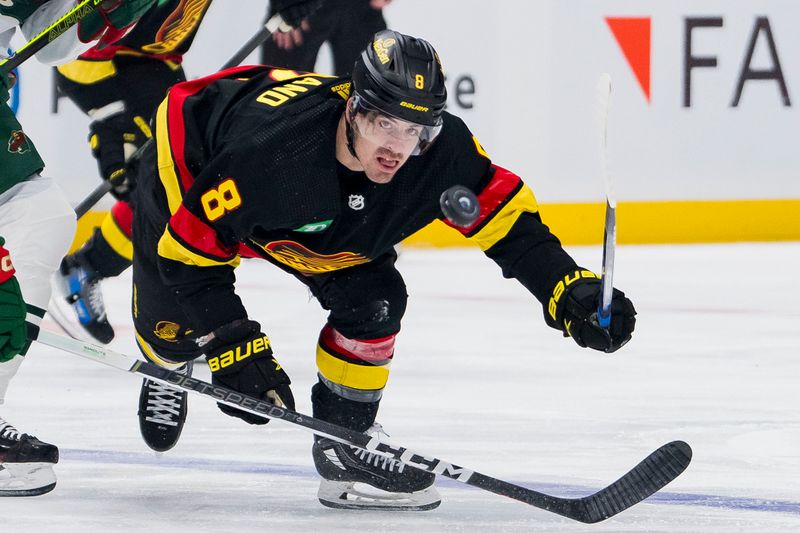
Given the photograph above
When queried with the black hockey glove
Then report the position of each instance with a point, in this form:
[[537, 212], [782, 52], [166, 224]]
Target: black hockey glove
[[113, 139], [294, 11], [240, 358], [573, 309]]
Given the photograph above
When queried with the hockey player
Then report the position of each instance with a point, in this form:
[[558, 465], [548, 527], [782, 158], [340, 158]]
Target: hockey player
[[321, 177], [119, 87], [37, 223]]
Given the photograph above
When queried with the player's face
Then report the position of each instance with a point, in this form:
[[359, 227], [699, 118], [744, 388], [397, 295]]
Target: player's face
[[383, 144]]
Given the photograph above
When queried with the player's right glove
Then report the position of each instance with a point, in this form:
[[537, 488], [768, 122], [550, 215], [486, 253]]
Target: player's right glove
[[573, 306], [114, 135], [13, 330], [110, 20], [240, 357], [294, 11]]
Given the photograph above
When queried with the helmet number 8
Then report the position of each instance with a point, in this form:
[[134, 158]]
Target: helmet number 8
[[217, 202], [419, 81]]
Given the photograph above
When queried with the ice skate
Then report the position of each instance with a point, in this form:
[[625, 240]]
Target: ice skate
[[162, 412], [77, 303], [26, 463], [353, 478]]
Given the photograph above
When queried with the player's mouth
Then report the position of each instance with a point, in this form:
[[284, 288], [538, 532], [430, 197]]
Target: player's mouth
[[388, 164]]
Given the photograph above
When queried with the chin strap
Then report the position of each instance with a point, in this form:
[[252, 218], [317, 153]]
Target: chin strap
[[348, 128]]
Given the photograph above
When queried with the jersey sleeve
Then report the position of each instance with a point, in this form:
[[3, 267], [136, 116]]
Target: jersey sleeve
[[509, 228]]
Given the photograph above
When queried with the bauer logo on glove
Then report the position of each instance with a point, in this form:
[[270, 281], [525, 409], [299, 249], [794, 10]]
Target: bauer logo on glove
[[236, 354]]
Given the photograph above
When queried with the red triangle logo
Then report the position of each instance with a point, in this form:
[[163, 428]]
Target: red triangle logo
[[633, 37]]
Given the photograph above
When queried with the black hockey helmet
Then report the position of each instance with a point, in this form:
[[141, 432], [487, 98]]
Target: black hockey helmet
[[401, 76]]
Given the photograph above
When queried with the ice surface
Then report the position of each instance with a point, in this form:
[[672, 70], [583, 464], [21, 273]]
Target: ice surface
[[478, 380]]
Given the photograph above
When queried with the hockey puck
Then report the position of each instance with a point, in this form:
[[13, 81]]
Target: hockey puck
[[460, 206]]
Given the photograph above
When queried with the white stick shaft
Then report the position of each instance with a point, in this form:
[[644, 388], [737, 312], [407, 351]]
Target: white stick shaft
[[610, 228]]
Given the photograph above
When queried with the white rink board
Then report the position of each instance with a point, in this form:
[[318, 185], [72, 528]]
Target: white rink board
[[534, 66]]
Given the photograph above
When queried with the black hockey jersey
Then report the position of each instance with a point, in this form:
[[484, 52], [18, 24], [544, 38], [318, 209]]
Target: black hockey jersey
[[246, 165]]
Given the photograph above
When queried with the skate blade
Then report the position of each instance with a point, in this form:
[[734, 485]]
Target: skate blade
[[359, 496], [26, 479]]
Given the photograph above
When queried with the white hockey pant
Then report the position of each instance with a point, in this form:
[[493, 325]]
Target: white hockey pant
[[38, 225]]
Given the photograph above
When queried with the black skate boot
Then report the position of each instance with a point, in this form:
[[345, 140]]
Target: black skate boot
[[26, 463], [77, 304], [162, 412], [390, 484]]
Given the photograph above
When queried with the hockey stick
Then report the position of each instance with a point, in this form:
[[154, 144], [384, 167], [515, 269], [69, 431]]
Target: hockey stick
[[273, 24], [610, 230], [46, 36], [649, 476], [98, 193]]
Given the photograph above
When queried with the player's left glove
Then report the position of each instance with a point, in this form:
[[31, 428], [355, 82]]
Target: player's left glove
[[573, 306], [240, 357], [113, 138], [13, 330], [294, 11], [110, 20]]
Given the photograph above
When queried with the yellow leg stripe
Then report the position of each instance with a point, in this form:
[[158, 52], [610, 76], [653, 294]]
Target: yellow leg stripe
[[499, 226], [166, 166], [363, 377], [87, 72], [115, 237], [169, 248], [153, 356]]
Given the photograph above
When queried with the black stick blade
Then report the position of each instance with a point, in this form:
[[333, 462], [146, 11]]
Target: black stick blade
[[642, 481]]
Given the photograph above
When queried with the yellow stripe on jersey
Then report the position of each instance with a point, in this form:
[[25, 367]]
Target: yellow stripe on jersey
[[151, 354], [362, 377], [88, 72], [170, 248], [118, 241], [479, 148], [501, 223], [166, 166]]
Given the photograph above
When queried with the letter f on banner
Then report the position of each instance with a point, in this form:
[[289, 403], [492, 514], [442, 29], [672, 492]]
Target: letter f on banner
[[633, 37]]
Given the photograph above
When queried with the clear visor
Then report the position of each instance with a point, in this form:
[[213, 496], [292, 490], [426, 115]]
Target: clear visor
[[390, 132]]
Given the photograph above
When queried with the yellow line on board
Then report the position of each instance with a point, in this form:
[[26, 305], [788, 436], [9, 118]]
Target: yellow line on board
[[668, 222]]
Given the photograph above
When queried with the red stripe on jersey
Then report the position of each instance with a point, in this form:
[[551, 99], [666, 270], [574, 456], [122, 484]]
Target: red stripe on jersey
[[122, 214], [376, 351], [199, 235], [494, 195], [108, 52], [177, 135], [245, 250]]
